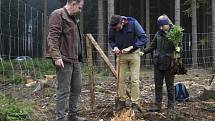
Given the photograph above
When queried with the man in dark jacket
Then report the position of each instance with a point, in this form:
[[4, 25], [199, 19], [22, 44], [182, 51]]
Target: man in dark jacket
[[64, 47], [126, 37], [162, 62]]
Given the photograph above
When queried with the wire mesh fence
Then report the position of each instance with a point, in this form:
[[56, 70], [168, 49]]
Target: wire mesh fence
[[204, 53], [21, 29], [21, 35]]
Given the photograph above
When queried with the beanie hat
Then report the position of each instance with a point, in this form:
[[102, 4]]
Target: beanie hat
[[115, 19], [163, 20]]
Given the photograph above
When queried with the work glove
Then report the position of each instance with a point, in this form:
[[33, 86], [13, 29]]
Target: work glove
[[141, 53], [178, 49]]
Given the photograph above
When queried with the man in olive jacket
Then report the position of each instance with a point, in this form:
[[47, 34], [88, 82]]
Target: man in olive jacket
[[162, 62], [64, 48]]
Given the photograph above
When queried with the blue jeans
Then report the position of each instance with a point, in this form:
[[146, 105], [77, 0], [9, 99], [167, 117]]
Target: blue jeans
[[69, 85]]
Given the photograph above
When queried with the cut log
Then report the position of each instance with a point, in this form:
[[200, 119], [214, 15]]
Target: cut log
[[50, 77], [49, 81], [31, 84], [28, 79], [209, 92]]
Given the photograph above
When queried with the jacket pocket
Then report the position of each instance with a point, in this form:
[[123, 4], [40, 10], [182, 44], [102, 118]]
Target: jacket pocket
[[156, 59], [162, 61]]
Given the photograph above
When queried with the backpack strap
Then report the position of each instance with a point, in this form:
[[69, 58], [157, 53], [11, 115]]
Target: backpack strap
[[185, 93], [177, 90], [183, 90]]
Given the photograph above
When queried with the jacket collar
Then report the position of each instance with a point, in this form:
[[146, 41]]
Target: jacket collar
[[162, 33], [68, 17]]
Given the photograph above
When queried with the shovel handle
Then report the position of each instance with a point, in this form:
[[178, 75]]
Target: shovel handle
[[117, 79]]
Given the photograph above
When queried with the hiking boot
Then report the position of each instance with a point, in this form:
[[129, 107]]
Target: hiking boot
[[171, 113], [75, 117], [170, 107], [170, 110], [136, 108], [120, 105], [155, 108]]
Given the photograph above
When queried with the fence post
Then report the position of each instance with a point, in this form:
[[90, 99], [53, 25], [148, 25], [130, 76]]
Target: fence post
[[90, 71], [102, 54]]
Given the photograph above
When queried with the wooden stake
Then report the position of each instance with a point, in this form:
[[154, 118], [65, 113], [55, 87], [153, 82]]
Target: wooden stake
[[104, 57], [90, 71]]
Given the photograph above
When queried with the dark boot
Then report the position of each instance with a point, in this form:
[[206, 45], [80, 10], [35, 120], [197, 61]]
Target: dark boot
[[136, 108], [170, 109], [75, 117], [171, 113], [155, 108], [120, 105], [170, 105]]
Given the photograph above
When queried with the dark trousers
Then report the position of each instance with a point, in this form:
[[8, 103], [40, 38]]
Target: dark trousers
[[68, 89], [159, 76]]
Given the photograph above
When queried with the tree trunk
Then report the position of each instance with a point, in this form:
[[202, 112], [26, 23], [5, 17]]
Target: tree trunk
[[100, 31], [213, 30], [148, 29], [110, 9], [110, 13], [147, 17], [62, 2], [177, 12], [45, 26], [194, 35]]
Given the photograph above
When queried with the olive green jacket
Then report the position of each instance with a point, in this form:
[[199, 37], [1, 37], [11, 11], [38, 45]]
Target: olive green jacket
[[161, 44], [164, 51]]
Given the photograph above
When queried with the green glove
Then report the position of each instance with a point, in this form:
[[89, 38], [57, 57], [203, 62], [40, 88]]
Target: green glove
[[141, 53], [178, 49]]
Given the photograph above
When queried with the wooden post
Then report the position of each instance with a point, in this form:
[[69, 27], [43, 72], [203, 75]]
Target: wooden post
[[90, 71], [104, 57], [89, 40], [45, 26]]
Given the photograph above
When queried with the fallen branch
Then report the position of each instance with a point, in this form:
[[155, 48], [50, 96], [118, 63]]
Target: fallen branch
[[210, 109], [211, 80]]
